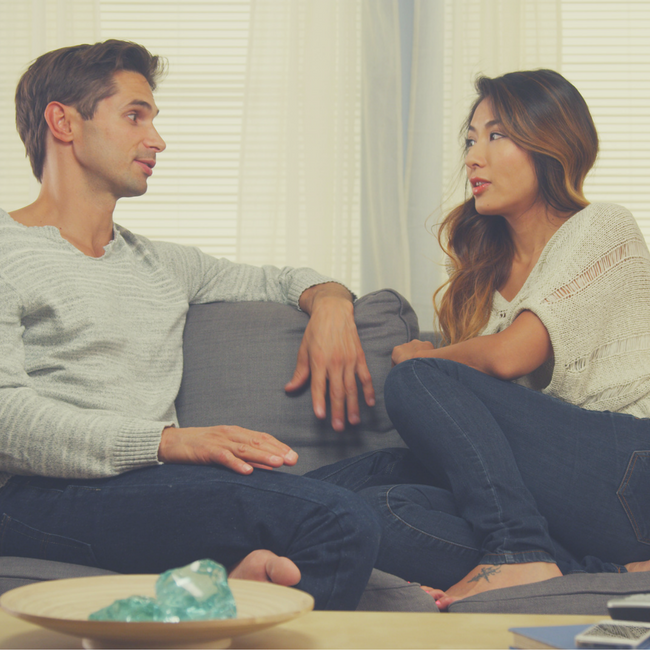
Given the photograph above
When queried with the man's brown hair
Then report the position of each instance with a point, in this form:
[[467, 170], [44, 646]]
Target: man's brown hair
[[79, 76]]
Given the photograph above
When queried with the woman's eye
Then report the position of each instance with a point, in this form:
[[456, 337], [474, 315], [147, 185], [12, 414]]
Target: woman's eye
[[469, 143], [496, 136]]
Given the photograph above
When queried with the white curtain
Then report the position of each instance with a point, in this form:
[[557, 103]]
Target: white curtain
[[310, 156], [263, 163], [424, 161], [322, 169], [453, 42], [406, 190], [491, 38], [28, 29], [406, 195], [299, 175], [384, 245]]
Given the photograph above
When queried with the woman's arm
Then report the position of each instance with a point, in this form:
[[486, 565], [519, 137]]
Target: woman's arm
[[516, 351]]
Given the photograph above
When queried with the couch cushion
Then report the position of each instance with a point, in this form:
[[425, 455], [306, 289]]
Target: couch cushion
[[19, 571], [239, 356], [384, 592], [388, 593], [577, 593]]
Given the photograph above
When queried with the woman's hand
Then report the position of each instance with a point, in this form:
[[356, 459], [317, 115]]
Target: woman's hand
[[518, 350], [411, 350]]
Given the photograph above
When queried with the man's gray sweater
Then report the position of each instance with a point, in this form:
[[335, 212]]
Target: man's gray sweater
[[91, 348]]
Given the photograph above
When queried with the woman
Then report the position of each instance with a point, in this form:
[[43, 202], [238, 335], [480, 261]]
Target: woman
[[529, 431]]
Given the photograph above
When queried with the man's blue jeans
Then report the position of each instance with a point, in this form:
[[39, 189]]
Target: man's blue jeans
[[498, 473], [153, 519]]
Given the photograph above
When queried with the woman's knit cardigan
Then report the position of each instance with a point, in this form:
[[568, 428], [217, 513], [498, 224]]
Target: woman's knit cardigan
[[591, 289]]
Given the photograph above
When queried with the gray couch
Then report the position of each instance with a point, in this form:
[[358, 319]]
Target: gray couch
[[238, 356]]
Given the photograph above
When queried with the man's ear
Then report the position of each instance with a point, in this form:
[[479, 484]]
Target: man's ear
[[59, 118]]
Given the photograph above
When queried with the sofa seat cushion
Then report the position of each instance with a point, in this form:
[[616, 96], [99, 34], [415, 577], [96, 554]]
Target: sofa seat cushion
[[384, 592], [19, 571], [577, 593], [239, 356], [388, 593]]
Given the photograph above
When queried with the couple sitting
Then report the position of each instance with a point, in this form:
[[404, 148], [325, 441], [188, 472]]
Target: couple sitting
[[535, 396]]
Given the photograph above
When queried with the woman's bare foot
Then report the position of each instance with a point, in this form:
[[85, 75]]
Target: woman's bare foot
[[434, 593], [634, 567], [265, 566], [486, 577]]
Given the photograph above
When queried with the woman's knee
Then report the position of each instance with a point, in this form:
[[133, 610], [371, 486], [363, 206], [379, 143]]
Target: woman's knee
[[398, 386], [409, 381], [408, 374]]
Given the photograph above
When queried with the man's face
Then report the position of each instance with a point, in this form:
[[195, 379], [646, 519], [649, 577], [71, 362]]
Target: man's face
[[117, 148]]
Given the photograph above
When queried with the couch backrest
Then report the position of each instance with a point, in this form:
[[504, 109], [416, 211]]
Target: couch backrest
[[239, 356]]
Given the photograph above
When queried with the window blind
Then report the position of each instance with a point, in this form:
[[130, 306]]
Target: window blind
[[606, 55], [602, 47], [193, 194], [192, 197], [216, 119], [15, 175]]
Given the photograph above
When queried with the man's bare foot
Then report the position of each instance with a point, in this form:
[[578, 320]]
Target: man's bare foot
[[634, 567], [486, 577], [265, 566]]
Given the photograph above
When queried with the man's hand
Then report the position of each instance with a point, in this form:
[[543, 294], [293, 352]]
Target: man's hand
[[233, 447], [411, 350], [331, 352]]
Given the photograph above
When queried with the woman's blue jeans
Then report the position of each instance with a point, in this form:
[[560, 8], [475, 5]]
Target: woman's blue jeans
[[154, 519], [498, 473]]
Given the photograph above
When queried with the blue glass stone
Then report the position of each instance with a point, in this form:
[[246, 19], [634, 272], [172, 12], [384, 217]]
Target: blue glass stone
[[196, 592], [133, 609]]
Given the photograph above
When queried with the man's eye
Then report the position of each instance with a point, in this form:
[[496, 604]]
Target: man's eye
[[133, 117]]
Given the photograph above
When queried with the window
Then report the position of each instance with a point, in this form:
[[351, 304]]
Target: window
[[193, 195], [263, 134], [606, 55]]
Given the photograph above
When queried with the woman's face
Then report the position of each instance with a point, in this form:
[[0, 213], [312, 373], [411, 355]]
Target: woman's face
[[501, 174]]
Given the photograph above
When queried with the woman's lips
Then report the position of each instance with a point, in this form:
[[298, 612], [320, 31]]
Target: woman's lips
[[479, 186]]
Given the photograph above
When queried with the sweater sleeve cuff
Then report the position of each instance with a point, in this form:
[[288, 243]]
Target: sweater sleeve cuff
[[137, 445], [310, 278]]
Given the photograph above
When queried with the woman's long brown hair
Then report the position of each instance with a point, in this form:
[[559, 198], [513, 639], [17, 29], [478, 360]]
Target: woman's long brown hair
[[545, 115]]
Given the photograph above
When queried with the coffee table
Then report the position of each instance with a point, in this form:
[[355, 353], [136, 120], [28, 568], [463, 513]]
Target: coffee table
[[342, 630]]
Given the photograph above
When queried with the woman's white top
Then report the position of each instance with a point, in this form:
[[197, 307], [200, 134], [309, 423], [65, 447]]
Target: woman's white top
[[591, 289]]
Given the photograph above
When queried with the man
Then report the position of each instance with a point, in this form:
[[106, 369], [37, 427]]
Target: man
[[93, 466]]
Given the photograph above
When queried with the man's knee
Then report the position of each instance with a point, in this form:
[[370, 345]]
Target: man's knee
[[357, 522]]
